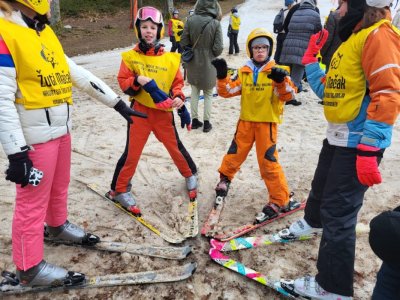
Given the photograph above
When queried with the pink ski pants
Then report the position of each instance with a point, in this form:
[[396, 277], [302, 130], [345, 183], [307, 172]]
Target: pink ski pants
[[46, 202]]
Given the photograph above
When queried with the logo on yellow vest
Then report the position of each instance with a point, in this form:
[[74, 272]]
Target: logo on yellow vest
[[335, 62], [48, 56]]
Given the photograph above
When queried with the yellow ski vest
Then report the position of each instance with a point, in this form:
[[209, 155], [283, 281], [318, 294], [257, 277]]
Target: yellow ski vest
[[345, 84], [175, 28], [161, 68], [42, 70], [259, 102], [235, 22]]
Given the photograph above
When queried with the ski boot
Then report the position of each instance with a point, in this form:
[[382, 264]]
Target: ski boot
[[301, 227], [45, 274], [269, 211], [70, 232], [191, 185], [222, 186], [126, 200]]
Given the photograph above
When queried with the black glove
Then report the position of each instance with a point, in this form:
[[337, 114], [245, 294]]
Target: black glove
[[127, 112], [172, 39], [19, 168], [221, 66], [180, 32], [184, 114], [278, 75]]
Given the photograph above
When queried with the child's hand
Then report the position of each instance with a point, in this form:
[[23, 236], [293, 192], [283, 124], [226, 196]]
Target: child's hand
[[184, 114], [143, 80], [177, 102], [221, 67], [278, 75], [160, 98]]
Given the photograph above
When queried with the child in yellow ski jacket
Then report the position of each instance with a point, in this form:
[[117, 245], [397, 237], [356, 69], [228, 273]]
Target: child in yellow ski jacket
[[264, 89]]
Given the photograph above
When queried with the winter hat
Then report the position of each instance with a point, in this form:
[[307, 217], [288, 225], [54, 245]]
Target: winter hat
[[384, 236], [260, 41], [289, 2], [379, 3]]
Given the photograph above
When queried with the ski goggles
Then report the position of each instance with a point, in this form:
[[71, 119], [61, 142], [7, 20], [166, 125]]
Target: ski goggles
[[147, 12]]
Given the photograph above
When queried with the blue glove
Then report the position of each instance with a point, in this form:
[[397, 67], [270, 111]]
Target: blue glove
[[184, 114], [160, 98]]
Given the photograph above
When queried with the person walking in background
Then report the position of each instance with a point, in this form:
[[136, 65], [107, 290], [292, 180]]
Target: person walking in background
[[153, 80], [304, 22], [175, 30], [233, 31], [361, 101], [280, 31], [200, 73], [264, 87], [384, 239], [332, 26], [36, 80]]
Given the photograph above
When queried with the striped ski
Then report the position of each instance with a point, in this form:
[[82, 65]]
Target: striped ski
[[171, 237], [283, 287], [282, 237], [250, 227], [10, 284]]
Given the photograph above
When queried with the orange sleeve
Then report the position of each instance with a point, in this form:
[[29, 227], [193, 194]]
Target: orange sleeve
[[177, 85], [285, 90], [229, 87], [126, 80], [381, 64]]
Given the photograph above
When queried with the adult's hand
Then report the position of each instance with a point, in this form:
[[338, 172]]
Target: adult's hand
[[127, 112], [317, 41]]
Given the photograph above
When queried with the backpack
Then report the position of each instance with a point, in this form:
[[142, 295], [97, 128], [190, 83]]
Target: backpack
[[279, 20]]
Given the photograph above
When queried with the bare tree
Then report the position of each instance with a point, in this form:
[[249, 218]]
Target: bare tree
[[55, 12]]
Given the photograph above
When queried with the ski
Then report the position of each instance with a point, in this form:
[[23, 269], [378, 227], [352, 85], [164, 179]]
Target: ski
[[281, 237], [193, 215], [213, 216], [153, 251], [250, 227], [284, 287], [10, 284], [175, 239]]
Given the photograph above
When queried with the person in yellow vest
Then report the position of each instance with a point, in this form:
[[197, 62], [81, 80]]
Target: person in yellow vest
[[175, 30], [264, 88], [36, 80], [361, 99], [233, 31], [153, 80]]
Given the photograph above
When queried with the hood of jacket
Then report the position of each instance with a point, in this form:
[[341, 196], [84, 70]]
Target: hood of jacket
[[206, 7]]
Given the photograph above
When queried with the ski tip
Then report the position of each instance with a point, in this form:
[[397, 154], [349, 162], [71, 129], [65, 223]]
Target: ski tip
[[215, 244], [187, 250], [192, 267]]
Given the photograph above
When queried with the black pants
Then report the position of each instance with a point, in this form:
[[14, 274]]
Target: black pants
[[233, 43], [387, 283], [279, 45], [335, 198], [176, 46]]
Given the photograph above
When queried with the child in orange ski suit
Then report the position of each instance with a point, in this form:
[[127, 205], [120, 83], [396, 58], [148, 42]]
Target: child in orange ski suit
[[264, 88], [153, 80]]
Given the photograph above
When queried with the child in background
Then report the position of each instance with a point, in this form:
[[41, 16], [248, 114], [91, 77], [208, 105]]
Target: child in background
[[264, 88], [175, 30], [152, 79]]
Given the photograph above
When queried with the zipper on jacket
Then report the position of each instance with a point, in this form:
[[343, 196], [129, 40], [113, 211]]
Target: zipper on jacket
[[66, 124], [47, 116]]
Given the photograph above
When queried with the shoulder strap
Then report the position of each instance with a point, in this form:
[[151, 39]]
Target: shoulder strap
[[201, 32]]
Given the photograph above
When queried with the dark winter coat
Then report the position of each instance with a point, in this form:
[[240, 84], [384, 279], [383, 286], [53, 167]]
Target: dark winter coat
[[333, 41], [304, 22], [200, 71]]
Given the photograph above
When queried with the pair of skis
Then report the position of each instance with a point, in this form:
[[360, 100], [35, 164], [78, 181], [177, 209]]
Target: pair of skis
[[11, 285], [170, 236], [209, 227]]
